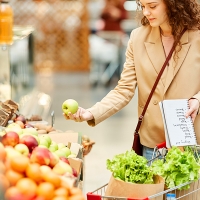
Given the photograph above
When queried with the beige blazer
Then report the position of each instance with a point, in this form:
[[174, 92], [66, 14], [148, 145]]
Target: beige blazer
[[144, 59]]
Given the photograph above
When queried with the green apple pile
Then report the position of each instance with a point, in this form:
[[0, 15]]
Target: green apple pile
[[40, 149]]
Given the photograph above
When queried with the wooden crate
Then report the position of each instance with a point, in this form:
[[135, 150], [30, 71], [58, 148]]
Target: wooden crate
[[61, 33]]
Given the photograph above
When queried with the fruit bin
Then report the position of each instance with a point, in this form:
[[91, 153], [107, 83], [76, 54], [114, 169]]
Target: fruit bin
[[28, 172], [34, 127], [72, 140]]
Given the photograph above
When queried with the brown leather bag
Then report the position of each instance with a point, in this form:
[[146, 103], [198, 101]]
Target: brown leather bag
[[137, 146]]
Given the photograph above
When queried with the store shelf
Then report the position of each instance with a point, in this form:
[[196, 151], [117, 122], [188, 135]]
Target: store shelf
[[20, 32], [16, 64]]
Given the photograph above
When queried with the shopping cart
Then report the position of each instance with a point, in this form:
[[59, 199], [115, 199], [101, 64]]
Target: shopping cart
[[159, 152], [192, 194]]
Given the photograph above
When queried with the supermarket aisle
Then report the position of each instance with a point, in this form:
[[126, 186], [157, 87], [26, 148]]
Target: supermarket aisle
[[112, 136]]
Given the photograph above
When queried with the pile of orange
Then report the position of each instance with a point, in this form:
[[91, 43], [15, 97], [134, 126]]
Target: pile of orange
[[22, 180]]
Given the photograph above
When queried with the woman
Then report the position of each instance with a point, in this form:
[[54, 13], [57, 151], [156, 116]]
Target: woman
[[147, 49]]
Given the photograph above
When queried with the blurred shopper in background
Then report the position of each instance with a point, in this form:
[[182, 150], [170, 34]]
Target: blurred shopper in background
[[106, 43], [148, 47], [112, 15]]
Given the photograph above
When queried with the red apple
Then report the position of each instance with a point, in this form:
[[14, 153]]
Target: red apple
[[74, 172], [11, 138], [21, 118], [41, 156], [29, 141], [65, 160], [54, 159], [20, 123], [62, 168]]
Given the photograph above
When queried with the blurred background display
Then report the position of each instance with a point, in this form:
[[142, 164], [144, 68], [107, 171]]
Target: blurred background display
[[61, 32], [65, 36]]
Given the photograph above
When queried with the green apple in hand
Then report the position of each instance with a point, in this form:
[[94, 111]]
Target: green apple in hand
[[70, 105]]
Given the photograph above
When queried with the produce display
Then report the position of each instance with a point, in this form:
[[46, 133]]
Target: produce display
[[177, 168], [33, 167], [15, 134]]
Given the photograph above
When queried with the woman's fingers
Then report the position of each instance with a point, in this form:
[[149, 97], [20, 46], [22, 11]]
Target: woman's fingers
[[65, 116], [77, 115], [194, 107], [81, 115]]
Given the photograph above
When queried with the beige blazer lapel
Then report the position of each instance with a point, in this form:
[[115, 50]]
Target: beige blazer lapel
[[155, 51], [175, 65]]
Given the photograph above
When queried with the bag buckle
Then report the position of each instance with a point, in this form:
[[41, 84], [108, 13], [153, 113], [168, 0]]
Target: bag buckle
[[141, 118]]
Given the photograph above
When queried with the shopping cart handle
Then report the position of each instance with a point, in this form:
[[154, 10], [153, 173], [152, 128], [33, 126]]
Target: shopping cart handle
[[161, 145], [91, 196]]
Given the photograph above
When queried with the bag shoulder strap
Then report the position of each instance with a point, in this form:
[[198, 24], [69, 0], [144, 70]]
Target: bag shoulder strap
[[156, 83]]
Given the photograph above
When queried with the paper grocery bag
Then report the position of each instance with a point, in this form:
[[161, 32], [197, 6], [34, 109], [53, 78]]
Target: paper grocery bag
[[118, 188]]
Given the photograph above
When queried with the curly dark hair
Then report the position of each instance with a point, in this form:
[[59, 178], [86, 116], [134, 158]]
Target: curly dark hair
[[181, 13]]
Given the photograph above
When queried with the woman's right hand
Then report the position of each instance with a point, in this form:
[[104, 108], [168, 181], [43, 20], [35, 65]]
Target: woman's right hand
[[80, 116]]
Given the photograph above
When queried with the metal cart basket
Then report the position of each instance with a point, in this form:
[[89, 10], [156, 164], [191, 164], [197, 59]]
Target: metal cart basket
[[191, 194]]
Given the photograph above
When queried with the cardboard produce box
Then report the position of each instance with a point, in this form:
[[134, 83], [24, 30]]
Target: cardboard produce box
[[66, 137], [72, 140], [119, 188]]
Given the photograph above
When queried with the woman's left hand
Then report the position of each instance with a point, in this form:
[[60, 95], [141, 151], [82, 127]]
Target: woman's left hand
[[194, 107]]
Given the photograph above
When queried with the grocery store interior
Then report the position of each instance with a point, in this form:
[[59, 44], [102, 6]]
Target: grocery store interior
[[60, 52]]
